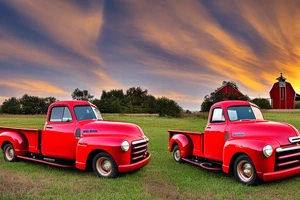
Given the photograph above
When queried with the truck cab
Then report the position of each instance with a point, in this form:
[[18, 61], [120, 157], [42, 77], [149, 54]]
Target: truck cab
[[75, 135], [237, 139]]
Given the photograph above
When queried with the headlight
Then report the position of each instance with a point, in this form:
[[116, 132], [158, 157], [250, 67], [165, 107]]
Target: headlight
[[125, 145], [268, 150]]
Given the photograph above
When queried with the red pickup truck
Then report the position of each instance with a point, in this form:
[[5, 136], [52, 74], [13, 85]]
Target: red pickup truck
[[237, 139], [76, 136]]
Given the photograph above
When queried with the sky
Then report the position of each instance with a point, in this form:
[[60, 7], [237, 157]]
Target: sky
[[182, 50]]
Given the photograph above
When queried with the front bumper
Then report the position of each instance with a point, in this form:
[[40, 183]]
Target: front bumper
[[134, 166], [272, 176]]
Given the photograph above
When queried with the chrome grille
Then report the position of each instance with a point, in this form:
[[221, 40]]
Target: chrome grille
[[287, 157], [139, 150]]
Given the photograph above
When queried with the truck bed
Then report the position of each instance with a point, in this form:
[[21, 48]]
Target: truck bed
[[32, 136]]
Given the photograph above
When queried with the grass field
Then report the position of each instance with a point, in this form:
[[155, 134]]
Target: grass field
[[162, 178]]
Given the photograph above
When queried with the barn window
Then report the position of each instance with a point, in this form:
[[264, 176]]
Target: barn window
[[282, 93]]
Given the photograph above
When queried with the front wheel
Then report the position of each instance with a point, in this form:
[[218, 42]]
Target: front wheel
[[104, 166], [244, 171], [177, 154], [9, 153]]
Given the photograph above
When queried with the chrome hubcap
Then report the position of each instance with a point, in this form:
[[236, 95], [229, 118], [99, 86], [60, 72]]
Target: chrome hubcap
[[10, 153], [245, 171], [177, 155], [104, 166]]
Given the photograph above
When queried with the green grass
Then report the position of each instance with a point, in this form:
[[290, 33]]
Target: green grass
[[162, 178]]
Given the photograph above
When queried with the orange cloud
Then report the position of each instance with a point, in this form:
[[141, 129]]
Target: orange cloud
[[2, 99], [180, 97], [35, 87], [105, 81], [67, 24], [188, 31], [16, 49]]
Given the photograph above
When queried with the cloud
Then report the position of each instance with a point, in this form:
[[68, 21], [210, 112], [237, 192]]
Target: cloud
[[13, 49], [276, 23], [3, 98], [67, 24], [267, 41], [33, 86], [106, 81], [188, 31], [180, 97]]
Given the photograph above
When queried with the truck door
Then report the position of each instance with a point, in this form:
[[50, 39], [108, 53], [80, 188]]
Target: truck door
[[58, 136], [215, 136]]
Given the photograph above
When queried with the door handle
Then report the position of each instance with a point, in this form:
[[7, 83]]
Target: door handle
[[50, 127], [208, 127]]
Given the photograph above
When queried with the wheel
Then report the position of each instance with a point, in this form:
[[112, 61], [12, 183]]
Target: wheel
[[9, 153], [105, 166], [176, 154], [244, 171]]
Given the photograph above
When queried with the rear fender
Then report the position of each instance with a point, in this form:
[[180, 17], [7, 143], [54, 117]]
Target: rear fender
[[17, 139], [184, 143], [252, 148]]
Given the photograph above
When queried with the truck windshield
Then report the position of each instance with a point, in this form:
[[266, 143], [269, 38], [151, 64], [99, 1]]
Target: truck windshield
[[236, 113], [86, 112]]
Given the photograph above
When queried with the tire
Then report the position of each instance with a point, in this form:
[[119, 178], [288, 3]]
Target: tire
[[104, 166], [176, 154], [244, 171], [9, 153]]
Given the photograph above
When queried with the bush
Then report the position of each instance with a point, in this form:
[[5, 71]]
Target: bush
[[297, 105], [262, 103], [168, 108]]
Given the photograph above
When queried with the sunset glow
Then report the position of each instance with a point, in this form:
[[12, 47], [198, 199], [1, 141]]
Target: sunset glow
[[183, 50]]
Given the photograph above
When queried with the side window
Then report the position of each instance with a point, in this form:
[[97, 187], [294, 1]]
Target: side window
[[67, 115], [60, 114], [218, 115]]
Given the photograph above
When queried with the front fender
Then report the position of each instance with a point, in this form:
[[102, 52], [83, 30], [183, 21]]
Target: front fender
[[254, 149], [184, 142], [18, 140], [111, 145]]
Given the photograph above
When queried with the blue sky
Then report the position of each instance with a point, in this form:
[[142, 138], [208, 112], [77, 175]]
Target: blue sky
[[179, 49]]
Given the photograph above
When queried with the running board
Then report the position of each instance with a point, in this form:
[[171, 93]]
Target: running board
[[46, 162], [203, 164]]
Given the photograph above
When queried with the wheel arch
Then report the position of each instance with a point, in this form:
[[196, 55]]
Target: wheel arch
[[184, 143], [17, 140], [92, 154], [233, 159]]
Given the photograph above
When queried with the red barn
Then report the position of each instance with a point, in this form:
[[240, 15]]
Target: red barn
[[282, 94], [228, 88]]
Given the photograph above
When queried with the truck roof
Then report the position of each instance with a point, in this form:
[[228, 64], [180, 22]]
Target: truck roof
[[71, 103], [233, 103]]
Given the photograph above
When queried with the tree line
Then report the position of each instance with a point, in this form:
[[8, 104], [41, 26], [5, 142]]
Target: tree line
[[134, 100], [27, 104]]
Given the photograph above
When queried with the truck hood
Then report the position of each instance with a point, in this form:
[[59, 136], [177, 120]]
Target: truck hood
[[108, 128], [281, 132]]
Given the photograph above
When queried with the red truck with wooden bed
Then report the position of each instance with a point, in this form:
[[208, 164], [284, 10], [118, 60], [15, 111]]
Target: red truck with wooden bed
[[75, 135]]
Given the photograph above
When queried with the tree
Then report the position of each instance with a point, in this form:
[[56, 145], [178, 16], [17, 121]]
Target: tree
[[82, 95], [262, 103], [11, 106], [167, 107]]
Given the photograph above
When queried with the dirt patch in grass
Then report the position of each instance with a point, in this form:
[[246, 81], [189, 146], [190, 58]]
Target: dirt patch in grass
[[16, 183], [159, 188]]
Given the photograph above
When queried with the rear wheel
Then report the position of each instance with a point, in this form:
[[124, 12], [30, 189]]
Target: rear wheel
[[244, 171], [9, 153], [177, 154], [105, 166]]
